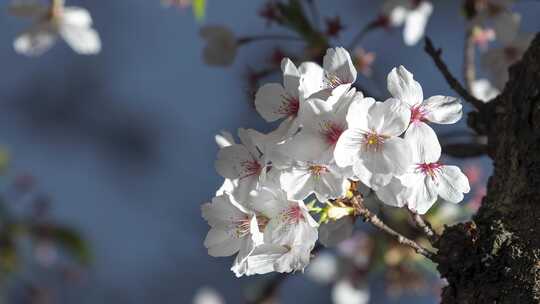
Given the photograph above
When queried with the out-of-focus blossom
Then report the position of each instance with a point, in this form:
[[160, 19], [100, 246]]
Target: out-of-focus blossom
[[207, 295], [221, 45], [358, 248], [345, 292], [412, 14], [271, 13], [484, 90], [363, 60], [473, 172], [498, 15], [73, 24], [323, 269], [497, 60], [178, 3], [482, 37], [334, 26]]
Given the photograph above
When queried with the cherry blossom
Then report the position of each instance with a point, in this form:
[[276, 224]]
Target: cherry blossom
[[274, 101], [437, 109], [221, 46], [498, 15], [497, 60], [233, 229], [425, 180], [484, 90], [243, 164], [412, 14], [73, 24], [338, 74], [289, 235], [371, 143]]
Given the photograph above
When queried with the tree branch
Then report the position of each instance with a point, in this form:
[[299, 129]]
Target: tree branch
[[425, 226], [450, 79], [469, 68], [368, 216]]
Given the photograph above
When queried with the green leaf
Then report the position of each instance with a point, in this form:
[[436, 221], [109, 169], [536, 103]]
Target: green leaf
[[199, 9], [73, 243]]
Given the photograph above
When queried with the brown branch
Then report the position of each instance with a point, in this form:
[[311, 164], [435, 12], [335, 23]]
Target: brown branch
[[450, 79], [469, 67], [368, 216], [425, 226]]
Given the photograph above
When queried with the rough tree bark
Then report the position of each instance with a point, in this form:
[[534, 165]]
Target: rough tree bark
[[495, 258]]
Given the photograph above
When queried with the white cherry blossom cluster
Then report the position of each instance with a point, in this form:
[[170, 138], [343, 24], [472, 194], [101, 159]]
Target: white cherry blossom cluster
[[329, 135]]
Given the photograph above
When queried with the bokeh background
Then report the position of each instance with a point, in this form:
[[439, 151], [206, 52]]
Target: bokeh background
[[124, 141]]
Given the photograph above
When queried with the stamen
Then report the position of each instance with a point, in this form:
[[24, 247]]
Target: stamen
[[430, 169], [374, 142], [331, 132], [250, 168], [418, 113], [289, 105], [242, 227], [293, 215], [317, 170]]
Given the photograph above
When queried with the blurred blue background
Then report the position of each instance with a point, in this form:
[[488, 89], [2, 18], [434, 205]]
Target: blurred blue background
[[124, 141]]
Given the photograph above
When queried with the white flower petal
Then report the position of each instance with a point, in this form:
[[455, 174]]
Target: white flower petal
[[421, 192], [357, 115], [415, 23], [269, 101], [311, 79], [424, 143], [402, 86], [76, 16], [230, 161], [452, 184], [220, 243], [348, 146], [344, 292], [291, 77], [372, 180], [224, 139], [297, 183], [389, 118], [443, 109], [36, 40], [392, 194], [262, 259], [337, 62], [82, 39], [394, 158]]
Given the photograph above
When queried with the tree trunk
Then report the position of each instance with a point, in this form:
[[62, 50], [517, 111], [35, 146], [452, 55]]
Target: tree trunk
[[495, 258]]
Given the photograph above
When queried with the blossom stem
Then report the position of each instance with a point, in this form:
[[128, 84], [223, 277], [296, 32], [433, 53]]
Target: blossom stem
[[435, 54], [469, 70], [314, 13], [425, 226], [248, 39], [372, 218]]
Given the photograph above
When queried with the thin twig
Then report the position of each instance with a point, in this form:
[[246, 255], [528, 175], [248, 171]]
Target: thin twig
[[450, 79], [248, 39], [469, 68], [368, 216], [432, 236], [314, 11]]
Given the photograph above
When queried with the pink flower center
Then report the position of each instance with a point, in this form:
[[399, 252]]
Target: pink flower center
[[429, 169], [374, 142], [293, 215], [418, 113], [250, 168], [331, 132], [289, 106]]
